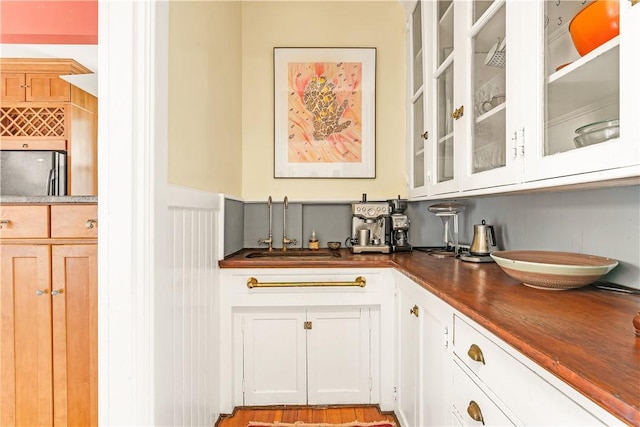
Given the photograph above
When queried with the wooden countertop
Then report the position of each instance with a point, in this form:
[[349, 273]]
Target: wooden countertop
[[584, 336]]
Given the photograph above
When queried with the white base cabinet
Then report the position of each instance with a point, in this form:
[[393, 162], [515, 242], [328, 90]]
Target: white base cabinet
[[305, 356], [306, 336], [424, 356], [507, 388], [451, 371]]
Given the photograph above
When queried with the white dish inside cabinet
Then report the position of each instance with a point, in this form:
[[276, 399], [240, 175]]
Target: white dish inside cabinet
[[579, 90]]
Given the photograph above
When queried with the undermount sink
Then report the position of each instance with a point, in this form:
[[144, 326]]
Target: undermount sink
[[294, 253]]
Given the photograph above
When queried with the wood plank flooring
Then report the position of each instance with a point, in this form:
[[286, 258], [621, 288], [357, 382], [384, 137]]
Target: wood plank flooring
[[309, 414]]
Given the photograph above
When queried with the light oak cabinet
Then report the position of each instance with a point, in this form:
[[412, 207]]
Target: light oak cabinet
[[48, 305], [41, 111], [34, 87], [497, 92]]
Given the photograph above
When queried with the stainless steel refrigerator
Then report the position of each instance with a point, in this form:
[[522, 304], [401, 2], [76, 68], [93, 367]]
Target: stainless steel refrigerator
[[33, 173]]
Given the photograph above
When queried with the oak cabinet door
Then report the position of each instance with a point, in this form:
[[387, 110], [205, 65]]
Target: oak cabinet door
[[47, 88], [12, 87], [75, 334], [25, 336]]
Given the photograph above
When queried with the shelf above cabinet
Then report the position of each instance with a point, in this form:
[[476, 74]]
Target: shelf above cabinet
[[593, 77]]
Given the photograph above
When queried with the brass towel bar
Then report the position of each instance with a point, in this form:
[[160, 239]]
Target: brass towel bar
[[252, 282]]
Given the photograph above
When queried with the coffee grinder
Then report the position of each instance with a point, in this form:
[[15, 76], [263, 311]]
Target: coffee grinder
[[369, 223], [399, 226]]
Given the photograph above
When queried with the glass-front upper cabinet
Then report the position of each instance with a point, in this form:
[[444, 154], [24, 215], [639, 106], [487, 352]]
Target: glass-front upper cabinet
[[493, 97], [443, 106], [510, 98], [417, 132], [584, 120]]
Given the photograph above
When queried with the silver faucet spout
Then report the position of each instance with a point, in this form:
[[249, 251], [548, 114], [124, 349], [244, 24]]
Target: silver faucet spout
[[285, 240], [268, 241]]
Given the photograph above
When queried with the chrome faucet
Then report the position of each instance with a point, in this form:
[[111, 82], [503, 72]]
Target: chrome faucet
[[268, 241], [286, 241]]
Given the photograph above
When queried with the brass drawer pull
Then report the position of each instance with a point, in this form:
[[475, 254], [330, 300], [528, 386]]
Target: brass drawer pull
[[91, 223], [474, 412], [4, 222], [252, 282], [475, 354], [415, 311]]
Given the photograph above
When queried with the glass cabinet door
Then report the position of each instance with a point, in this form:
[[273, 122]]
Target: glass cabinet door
[[583, 123], [488, 67], [442, 166], [582, 100], [495, 63], [418, 134]]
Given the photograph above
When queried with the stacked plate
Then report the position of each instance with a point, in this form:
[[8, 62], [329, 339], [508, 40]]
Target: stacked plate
[[597, 132]]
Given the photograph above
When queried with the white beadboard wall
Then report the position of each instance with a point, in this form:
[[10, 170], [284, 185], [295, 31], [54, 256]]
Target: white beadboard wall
[[189, 335]]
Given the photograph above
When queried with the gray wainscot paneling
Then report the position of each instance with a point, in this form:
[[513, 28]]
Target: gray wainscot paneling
[[233, 226], [603, 222]]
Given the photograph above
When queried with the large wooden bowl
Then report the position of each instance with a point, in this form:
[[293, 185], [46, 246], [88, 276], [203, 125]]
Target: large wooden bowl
[[553, 270]]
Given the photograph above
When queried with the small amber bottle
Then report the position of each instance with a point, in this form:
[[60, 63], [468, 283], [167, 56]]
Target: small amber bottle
[[313, 241]]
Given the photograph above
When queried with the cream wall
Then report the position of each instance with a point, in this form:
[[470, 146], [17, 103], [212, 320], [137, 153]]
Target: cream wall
[[266, 25], [205, 109]]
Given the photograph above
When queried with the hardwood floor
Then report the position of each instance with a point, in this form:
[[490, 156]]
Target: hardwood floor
[[309, 414]]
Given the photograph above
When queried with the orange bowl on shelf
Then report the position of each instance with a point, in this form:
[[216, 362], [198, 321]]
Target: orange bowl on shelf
[[594, 25]]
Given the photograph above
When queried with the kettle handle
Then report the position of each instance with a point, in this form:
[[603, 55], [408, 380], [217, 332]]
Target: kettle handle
[[492, 235]]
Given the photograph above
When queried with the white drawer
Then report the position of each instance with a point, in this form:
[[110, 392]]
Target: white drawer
[[472, 406], [308, 286], [492, 365], [525, 393]]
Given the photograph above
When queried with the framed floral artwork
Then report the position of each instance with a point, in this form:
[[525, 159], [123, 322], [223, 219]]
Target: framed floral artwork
[[324, 112]]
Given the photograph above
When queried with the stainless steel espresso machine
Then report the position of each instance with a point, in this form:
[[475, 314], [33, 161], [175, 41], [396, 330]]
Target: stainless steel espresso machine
[[369, 225], [398, 226]]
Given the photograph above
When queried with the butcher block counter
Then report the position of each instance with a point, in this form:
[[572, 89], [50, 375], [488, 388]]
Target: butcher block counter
[[583, 336]]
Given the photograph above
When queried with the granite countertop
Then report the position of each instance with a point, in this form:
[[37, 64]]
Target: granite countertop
[[47, 200], [583, 336]]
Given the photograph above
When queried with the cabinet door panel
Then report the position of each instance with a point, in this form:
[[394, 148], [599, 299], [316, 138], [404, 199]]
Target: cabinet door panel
[[75, 334], [25, 334], [338, 356], [12, 89], [47, 87], [274, 358], [409, 359]]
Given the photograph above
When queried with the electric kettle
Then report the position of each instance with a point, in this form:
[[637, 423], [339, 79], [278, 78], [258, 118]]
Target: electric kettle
[[484, 240]]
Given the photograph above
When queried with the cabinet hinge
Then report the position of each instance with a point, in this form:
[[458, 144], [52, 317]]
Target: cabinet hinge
[[243, 386], [395, 394], [521, 142], [446, 337]]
